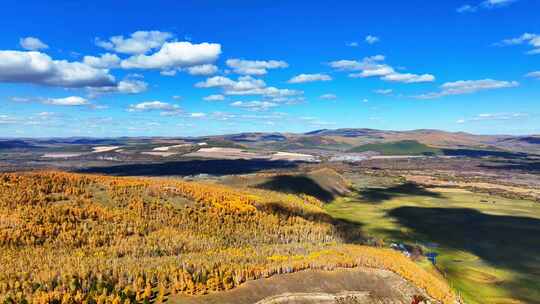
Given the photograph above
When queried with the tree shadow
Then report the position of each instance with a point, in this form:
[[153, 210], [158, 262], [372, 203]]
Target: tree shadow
[[529, 167], [484, 153], [349, 232], [508, 242], [378, 195], [298, 184], [191, 167]]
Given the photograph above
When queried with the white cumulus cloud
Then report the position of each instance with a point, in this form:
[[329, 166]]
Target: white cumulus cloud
[[214, 97], [254, 105], [254, 67], [468, 86], [374, 66], [139, 42], [309, 78], [204, 70], [126, 86], [38, 68], [371, 39], [174, 55], [153, 106], [527, 38], [32, 44], [104, 61], [487, 4], [67, 101], [409, 78], [248, 85]]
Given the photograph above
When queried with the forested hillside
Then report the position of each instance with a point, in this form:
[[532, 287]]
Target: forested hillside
[[71, 238]]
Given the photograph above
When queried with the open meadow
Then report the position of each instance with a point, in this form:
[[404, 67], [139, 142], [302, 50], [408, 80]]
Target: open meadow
[[487, 246]]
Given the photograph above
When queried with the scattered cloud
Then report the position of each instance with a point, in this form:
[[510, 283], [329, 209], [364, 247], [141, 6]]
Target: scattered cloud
[[535, 74], [254, 67], [374, 66], [214, 97], [346, 65], [371, 39], [139, 42], [165, 108], [302, 78], [527, 38], [67, 101], [126, 86], [409, 78], [314, 121], [32, 44], [383, 91], [7, 120], [467, 8], [254, 105], [328, 97], [245, 85], [175, 55], [104, 61], [487, 4], [467, 87], [494, 117], [203, 70], [38, 68], [197, 115], [352, 44]]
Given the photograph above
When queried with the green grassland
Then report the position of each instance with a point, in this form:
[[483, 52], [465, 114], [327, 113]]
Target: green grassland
[[402, 147], [488, 246]]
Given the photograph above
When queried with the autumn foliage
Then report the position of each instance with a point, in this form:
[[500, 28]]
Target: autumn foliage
[[71, 238]]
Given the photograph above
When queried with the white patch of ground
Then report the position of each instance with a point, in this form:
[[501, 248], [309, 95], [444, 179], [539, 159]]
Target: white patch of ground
[[293, 156], [104, 149], [397, 156], [366, 285], [61, 155], [157, 153], [167, 148], [225, 153]]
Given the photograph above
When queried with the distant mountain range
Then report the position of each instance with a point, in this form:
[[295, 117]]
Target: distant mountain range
[[342, 140]]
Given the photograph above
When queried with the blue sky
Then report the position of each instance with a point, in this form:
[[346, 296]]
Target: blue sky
[[187, 68]]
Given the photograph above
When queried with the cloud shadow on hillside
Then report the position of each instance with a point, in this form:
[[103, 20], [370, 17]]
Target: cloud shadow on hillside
[[379, 195], [191, 167], [297, 184], [508, 242]]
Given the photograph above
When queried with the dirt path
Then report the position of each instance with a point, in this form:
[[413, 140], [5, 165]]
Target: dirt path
[[315, 287]]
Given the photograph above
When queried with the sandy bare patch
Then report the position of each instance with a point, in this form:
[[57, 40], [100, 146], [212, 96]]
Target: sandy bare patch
[[292, 156], [315, 287], [104, 149], [162, 154], [314, 297], [225, 153], [167, 148], [61, 155], [396, 156]]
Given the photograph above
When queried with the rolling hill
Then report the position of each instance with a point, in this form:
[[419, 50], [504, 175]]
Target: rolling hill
[[402, 147]]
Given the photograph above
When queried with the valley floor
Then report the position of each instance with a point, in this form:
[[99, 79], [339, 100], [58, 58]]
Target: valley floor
[[487, 246]]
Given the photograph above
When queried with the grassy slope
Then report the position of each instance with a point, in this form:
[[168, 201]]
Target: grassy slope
[[403, 147], [489, 251]]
